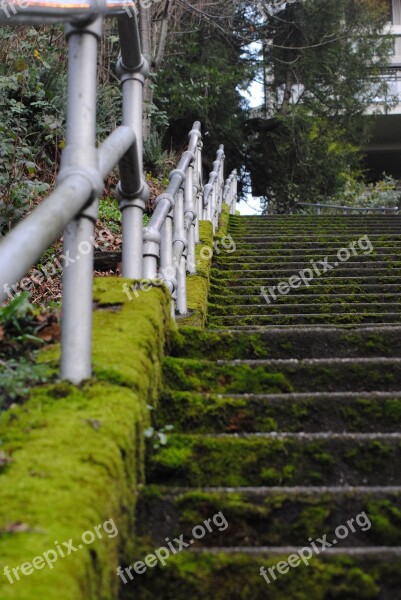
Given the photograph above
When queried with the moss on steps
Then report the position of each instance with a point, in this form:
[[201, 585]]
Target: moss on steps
[[210, 413], [237, 577], [77, 454], [198, 460], [291, 376], [269, 517]]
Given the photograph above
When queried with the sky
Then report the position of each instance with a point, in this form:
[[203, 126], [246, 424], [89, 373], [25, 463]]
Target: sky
[[254, 95]]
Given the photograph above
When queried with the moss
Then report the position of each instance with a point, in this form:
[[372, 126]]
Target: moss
[[309, 376], [224, 221], [243, 461], [77, 454], [237, 576], [198, 286], [197, 295], [206, 376]]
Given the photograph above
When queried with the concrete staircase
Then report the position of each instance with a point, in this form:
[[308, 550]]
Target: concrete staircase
[[287, 423]]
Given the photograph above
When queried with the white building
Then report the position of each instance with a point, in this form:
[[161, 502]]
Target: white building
[[384, 150]]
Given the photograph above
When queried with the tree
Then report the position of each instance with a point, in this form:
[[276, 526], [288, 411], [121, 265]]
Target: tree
[[323, 61], [200, 77]]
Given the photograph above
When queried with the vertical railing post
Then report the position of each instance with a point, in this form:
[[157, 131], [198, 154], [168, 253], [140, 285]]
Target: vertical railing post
[[220, 189], [200, 189], [190, 218], [151, 252], [80, 156], [180, 252], [166, 258], [197, 189], [132, 191]]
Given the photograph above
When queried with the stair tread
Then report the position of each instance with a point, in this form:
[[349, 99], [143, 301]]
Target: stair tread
[[306, 489]]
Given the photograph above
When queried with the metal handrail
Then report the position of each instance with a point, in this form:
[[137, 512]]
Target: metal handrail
[[73, 205], [173, 230], [347, 209], [45, 12]]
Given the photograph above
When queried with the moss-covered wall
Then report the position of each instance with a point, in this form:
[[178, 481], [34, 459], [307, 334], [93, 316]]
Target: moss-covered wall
[[71, 457]]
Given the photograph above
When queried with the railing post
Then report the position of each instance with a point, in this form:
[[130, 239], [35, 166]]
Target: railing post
[[198, 190], [180, 252], [80, 156], [132, 191], [190, 218], [166, 259], [151, 252], [233, 193]]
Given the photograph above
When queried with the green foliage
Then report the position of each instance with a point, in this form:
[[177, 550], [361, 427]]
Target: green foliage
[[323, 69], [17, 318], [383, 193], [32, 90], [18, 376], [18, 373], [156, 160], [200, 79], [110, 214]]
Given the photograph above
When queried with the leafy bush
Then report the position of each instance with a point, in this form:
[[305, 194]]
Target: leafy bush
[[384, 193], [32, 91], [17, 376], [17, 319], [156, 160]]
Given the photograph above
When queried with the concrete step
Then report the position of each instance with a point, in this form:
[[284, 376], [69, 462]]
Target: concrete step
[[315, 227], [364, 412], [256, 299], [295, 256], [289, 342], [297, 252], [328, 281], [273, 516], [271, 307], [337, 271], [356, 262], [318, 319], [234, 329], [234, 573], [354, 216], [324, 244], [340, 237], [319, 286], [277, 459], [283, 375]]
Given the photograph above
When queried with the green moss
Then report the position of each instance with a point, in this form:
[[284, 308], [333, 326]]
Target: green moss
[[77, 454], [243, 461], [224, 221], [197, 295], [198, 286], [205, 376], [308, 376], [220, 576]]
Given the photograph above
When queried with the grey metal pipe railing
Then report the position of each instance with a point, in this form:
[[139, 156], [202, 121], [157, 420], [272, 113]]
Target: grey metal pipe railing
[[213, 189], [230, 191], [173, 230], [72, 207], [171, 234], [45, 12]]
